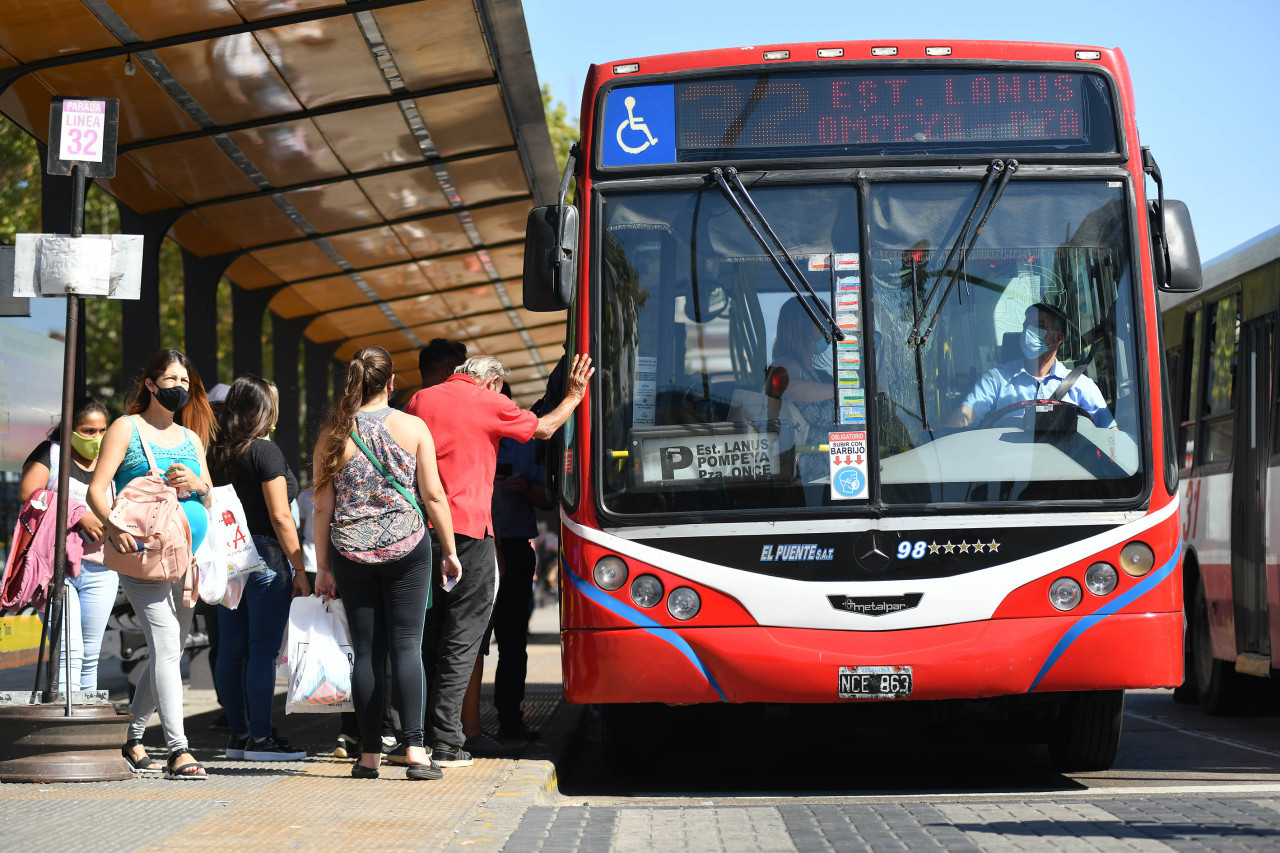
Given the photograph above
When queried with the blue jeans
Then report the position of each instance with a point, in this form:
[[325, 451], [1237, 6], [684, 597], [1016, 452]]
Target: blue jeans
[[90, 597], [249, 640]]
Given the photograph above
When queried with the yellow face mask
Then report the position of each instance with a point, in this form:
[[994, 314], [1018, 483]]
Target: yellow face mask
[[86, 447]]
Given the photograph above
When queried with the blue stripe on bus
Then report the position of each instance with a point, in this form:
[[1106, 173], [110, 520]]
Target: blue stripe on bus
[[1148, 583], [636, 617]]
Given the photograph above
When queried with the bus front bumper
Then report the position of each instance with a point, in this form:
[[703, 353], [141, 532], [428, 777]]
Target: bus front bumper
[[998, 657]]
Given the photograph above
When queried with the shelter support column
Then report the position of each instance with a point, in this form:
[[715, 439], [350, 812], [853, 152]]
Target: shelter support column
[[247, 308], [287, 335], [200, 311], [319, 368], [140, 326]]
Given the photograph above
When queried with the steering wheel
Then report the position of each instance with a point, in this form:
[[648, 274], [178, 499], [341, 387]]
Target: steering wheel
[[995, 416]]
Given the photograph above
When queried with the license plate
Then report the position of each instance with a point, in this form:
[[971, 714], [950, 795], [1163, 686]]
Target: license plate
[[875, 682]]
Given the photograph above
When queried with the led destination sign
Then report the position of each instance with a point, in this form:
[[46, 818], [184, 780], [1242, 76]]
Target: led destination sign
[[856, 112]]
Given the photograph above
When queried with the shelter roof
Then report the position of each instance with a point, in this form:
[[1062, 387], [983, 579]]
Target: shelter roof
[[372, 161]]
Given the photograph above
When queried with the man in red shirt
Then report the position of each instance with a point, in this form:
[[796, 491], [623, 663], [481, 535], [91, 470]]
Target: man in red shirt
[[468, 416]]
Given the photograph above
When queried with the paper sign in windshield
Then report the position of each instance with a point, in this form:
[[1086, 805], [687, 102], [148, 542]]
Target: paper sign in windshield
[[848, 456]]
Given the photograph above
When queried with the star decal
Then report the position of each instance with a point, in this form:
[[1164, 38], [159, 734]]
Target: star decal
[[994, 546], [979, 547], [934, 547], [949, 547], [964, 547]]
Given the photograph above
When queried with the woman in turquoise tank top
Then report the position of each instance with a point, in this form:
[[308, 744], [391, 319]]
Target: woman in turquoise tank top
[[171, 413]]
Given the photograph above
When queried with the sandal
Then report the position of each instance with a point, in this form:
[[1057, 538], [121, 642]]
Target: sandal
[[145, 764], [193, 770]]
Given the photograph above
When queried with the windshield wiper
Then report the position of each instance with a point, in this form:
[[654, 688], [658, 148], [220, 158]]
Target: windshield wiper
[[963, 239], [830, 331]]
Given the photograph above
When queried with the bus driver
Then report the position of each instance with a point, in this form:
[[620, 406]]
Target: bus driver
[[1034, 377]]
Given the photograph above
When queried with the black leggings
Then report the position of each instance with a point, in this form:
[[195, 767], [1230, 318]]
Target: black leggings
[[386, 605]]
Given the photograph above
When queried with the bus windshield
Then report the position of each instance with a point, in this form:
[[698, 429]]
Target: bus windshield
[[720, 393]]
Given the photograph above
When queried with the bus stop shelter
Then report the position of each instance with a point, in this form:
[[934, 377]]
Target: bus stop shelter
[[360, 171]]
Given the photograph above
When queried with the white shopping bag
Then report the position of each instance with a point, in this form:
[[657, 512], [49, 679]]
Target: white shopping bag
[[319, 657], [211, 573], [229, 536]]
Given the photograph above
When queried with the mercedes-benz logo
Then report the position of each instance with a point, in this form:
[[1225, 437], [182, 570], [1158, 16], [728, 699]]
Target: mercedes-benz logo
[[871, 551]]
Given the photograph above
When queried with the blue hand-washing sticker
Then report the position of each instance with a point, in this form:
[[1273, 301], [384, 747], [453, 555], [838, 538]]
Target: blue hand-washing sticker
[[639, 126]]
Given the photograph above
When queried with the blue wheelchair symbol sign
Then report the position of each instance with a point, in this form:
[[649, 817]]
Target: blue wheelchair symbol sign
[[849, 482], [639, 126]]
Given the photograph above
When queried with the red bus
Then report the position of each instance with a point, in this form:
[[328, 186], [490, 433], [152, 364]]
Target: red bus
[[1222, 354], [878, 413]]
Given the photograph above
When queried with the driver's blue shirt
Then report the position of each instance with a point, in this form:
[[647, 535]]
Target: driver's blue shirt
[[1010, 383]]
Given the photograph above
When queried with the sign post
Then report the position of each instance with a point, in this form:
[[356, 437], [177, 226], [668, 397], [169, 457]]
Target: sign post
[[82, 143]]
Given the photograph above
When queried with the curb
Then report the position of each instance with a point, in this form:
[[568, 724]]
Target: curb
[[531, 782]]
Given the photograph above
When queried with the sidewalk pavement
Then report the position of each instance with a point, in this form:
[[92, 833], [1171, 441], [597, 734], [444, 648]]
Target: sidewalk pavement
[[312, 804]]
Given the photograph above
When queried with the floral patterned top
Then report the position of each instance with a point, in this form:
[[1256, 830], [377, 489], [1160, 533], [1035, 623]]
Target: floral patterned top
[[372, 522]]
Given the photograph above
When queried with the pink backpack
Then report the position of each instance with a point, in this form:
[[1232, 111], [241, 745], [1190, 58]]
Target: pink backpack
[[148, 509]]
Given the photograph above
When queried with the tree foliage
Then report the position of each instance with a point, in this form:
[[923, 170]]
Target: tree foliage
[[564, 131]]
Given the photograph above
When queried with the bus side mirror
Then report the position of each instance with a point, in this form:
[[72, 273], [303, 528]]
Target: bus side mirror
[[550, 257], [1174, 254]]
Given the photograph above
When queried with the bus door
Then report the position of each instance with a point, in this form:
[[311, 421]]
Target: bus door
[[1249, 487]]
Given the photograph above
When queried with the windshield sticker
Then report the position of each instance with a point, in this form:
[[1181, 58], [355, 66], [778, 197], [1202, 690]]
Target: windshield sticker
[[847, 261], [853, 414], [640, 126], [644, 397], [848, 457], [848, 284], [853, 397]]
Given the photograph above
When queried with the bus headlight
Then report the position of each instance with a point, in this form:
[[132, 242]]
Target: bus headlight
[[1137, 559], [683, 603], [610, 573], [1101, 578], [646, 591], [1065, 594]]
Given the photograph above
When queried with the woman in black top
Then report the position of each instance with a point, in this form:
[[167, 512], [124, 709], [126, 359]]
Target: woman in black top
[[249, 636]]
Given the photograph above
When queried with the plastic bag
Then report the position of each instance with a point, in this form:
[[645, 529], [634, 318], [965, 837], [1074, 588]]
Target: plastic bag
[[235, 591], [319, 657], [211, 578], [230, 537]]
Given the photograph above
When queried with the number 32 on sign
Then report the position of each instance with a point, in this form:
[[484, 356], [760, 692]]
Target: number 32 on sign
[[848, 456]]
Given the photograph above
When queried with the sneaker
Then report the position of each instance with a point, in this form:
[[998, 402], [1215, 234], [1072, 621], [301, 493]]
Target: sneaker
[[389, 744], [451, 756], [272, 749], [486, 746], [236, 745], [348, 747]]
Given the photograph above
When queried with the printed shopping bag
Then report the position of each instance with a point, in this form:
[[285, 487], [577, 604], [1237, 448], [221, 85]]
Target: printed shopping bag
[[232, 540], [320, 661]]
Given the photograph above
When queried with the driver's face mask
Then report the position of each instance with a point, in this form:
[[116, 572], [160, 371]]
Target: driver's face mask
[[1034, 344]]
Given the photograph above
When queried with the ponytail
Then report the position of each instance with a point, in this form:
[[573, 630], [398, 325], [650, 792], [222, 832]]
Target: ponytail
[[368, 374]]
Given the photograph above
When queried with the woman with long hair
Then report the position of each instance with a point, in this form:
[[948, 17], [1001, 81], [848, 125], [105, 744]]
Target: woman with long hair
[[170, 412], [249, 636], [92, 593], [372, 548]]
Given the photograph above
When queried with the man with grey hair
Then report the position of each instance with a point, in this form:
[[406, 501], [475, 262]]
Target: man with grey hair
[[468, 415]]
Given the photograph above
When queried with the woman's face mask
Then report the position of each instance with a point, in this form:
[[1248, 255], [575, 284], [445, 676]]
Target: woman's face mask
[[86, 447]]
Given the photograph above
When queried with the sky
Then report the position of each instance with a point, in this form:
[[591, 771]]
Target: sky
[[1206, 76]]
